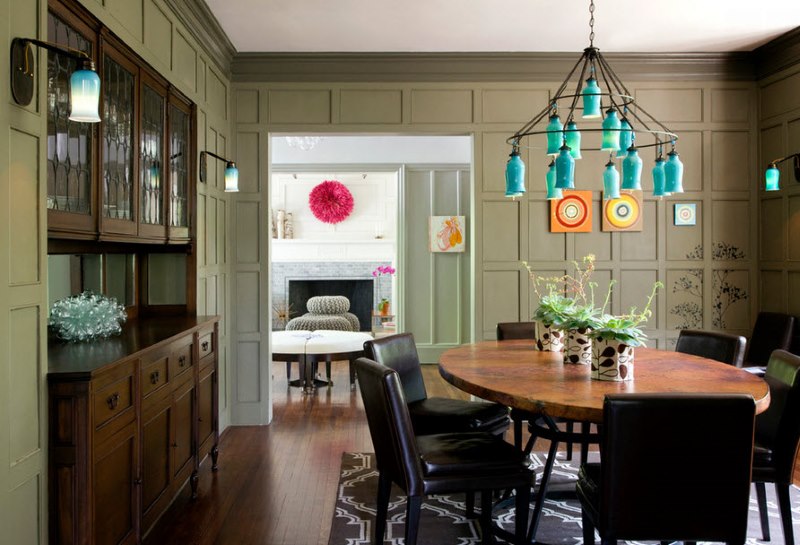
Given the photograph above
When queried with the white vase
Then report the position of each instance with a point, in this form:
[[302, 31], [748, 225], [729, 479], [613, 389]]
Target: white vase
[[612, 361], [549, 339], [578, 347]]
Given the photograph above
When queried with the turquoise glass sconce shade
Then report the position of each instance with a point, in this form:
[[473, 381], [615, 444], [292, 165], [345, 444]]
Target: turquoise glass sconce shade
[[610, 181], [515, 175]]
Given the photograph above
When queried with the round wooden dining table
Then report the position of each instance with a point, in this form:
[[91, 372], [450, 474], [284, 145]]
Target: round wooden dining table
[[513, 373]]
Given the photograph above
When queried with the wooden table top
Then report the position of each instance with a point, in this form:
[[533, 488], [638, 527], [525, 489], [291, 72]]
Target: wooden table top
[[514, 374]]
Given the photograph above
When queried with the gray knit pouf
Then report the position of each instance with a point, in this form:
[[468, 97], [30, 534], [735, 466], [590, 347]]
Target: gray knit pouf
[[328, 304], [313, 322]]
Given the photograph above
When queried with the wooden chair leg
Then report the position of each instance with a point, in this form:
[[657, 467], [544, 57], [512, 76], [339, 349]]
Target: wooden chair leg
[[486, 517], [761, 497], [413, 508], [586, 428], [384, 492], [570, 428], [588, 528], [522, 506], [288, 371], [785, 504]]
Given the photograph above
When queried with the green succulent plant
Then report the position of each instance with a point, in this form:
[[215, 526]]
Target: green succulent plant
[[626, 328]]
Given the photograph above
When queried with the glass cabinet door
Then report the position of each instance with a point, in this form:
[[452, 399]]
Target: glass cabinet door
[[119, 92], [152, 175], [70, 145], [180, 156]]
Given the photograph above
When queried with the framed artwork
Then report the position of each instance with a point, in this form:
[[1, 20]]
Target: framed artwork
[[623, 214], [446, 234], [685, 214], [572, 213]]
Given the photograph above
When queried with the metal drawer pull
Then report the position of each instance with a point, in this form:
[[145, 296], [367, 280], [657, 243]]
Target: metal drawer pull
[[204, 346], [113, 401], [154, 376], [182, 361]]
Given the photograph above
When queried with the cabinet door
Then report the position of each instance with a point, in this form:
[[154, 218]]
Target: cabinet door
[[116, 497], [71, 153], [181, 170], [183, 439], [157, 423], [206, 408], [118, 145], [152, 175]]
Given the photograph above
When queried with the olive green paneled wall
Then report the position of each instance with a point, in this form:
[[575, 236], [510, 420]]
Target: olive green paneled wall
[[709, 270], [158, 34], [779, 233]]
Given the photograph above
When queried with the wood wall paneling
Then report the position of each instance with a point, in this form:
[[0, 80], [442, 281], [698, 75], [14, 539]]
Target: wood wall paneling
[[694, 156], [248, 221], [780, 96], [184, 61], [684, 241], [512, 105], [501, 230], [248, 373], [367, 106], [129, 14], [642, 245], [672, 105], [542, 244], [495, 155], [246, 106], [793, 299], [441, 106], [731, 161], [501, 299], [248, 313], [730, 105], [597, 242], [24, 212], [729, 233], [773, 294], [158, 33], [299, 106]]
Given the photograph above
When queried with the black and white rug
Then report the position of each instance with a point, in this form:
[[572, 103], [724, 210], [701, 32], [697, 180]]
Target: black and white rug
[[444, 521]]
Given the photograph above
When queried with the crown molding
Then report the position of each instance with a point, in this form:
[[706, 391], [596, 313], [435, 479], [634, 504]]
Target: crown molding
[[778, 54], [445, 67], [204, 27]]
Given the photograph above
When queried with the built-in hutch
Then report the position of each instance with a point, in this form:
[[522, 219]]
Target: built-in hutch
[[133, 418]]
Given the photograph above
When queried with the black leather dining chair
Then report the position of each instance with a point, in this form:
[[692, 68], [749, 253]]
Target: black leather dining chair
[[772, 331], [433, 414], [714, 345], [649, 486], [776, 439], [435, 464]]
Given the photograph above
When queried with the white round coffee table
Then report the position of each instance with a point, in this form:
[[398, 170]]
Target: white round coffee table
[[311, 347]]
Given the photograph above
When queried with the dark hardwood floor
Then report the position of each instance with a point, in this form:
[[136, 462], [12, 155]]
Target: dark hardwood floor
[[276, 484]]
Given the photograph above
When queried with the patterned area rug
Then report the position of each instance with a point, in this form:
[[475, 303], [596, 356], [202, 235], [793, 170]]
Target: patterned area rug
[[443, 519]]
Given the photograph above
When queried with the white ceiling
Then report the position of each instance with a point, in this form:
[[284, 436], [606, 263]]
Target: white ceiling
[[511, 25]]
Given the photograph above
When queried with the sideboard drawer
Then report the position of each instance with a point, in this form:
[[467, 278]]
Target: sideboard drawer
[[206, 344], [112, 400], [154, 375], [181, 359]]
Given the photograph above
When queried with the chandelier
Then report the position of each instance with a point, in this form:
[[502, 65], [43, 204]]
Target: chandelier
[[626, 128], [303, 143]]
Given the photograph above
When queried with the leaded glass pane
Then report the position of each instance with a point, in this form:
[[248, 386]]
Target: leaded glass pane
[[69, 144], [118, 93], [179, 175], [151, 157]]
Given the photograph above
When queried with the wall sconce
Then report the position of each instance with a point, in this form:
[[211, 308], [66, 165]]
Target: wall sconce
[[84, 84], [231, 172], [773, 175]]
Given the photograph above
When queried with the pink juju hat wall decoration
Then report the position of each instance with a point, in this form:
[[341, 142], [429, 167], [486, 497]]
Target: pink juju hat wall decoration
[[330, 201]]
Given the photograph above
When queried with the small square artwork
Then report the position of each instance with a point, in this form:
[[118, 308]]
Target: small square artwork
[[572, 213], [624, 213], [685, 214], [447, 234]]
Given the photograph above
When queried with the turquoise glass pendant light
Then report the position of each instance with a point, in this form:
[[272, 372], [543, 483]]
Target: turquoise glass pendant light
[[515, 174], [659, 179], [231, 178], [673, 171], [611, 126], [772, 178], [610, 181], [573, 139], [84, 94], [555, 134], [553, 192], [625, 137], [632, 170], [591, 99], [565, 169]]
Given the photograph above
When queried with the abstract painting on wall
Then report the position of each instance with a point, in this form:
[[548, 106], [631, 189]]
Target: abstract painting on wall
[[572, 213], [685, 214], [447, 234], [624, 213]]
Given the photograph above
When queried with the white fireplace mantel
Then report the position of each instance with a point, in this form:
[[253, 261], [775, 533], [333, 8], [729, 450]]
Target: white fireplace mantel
[[289, 250]]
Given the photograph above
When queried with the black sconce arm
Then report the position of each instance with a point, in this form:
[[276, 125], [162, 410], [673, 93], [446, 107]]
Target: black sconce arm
[[22, 65], [796, 157], [204, 166]]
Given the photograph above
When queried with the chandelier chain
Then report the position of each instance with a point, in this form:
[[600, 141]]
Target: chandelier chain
[[591, 23]]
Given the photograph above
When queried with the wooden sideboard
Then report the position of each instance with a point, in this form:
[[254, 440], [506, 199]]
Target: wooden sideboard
[[132, 418]]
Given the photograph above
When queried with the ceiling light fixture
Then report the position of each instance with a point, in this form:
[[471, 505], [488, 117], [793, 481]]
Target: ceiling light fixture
[[304, 143], [625, 121], [84, 83]]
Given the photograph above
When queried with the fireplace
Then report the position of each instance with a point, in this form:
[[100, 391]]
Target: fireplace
[[359, 291]]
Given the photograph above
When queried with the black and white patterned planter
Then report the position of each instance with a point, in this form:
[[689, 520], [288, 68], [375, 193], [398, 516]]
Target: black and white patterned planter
[[578, 348], [612, 361], [549, 339]]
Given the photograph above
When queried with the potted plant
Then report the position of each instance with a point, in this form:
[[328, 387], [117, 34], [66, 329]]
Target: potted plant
[[615, 338], [551, 313]]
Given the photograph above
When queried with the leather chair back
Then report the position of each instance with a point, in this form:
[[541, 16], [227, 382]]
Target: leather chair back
[[778, 428], [399, 352], [390, 425], [713, 345], [772, 331], [507, 331], [654, 487]]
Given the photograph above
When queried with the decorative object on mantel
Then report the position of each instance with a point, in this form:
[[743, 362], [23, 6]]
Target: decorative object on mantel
[[685, 214], [447, 234], [623, 213], [86, 317], [572, 213], [281, 314], [383, 303], [331, 202], [773, 175], [625, 120], [615, 338], [280, 223], [288, 226]]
